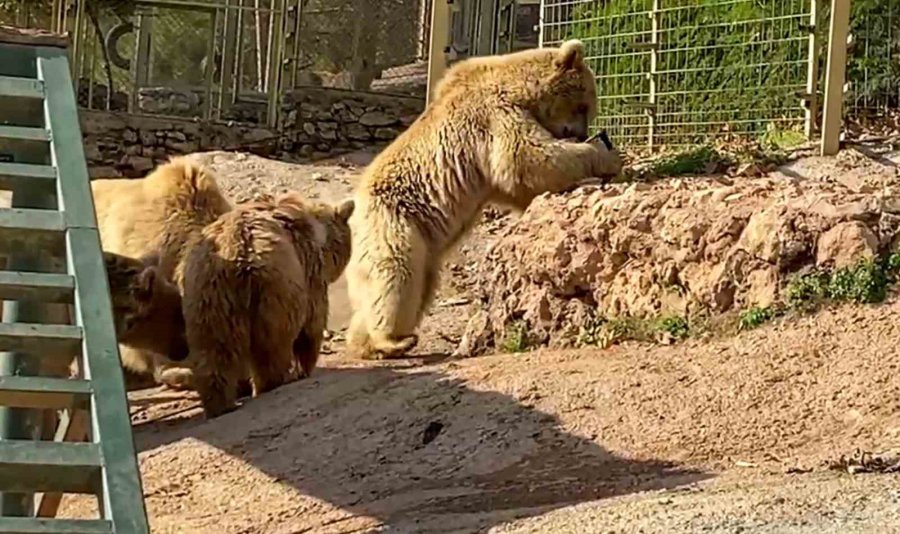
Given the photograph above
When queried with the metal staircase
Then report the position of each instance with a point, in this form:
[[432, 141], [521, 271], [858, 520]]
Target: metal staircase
[[50, 241]]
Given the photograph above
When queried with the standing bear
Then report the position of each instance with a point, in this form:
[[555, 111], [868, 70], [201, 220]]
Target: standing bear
[[158, 216], [256, 294], [500, 130]]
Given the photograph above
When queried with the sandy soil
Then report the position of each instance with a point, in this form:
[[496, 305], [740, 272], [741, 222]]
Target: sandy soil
[[725, 436]]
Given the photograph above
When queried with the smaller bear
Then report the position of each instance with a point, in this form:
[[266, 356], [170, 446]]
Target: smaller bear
[[147, 315], [159, 215], [255, 288], [146, 307]]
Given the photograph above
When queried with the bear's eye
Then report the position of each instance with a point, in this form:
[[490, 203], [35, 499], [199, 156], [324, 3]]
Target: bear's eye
[[582, 109]]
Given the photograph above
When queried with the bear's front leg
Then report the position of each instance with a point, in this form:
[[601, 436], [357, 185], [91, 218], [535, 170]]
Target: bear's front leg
[[527, 161]]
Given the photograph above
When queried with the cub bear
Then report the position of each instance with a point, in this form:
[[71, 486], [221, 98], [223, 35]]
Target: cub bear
[[147, 315], [500, 130], [256, 294], [157, 215], [147, 309]]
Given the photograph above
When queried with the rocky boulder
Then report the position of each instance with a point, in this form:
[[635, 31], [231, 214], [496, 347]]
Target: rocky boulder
[[674, 247]]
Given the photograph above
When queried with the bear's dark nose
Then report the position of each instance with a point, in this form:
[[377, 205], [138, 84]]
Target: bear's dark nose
[[605, 138]]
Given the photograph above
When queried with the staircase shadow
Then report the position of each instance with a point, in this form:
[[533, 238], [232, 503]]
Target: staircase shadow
[[403, 447]]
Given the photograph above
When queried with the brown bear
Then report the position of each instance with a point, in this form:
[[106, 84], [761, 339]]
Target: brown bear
[[501, 129], [256, 294], [158, 215], [147, 315], [147, 309]]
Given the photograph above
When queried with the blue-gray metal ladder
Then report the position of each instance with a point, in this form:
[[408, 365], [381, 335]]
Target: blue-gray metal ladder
[[42, 162]]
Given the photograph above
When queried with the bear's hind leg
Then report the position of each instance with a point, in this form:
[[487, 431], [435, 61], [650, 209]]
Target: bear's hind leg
[[217, 389], [272, 354], [394, 302], [308, 344], [219, 362]]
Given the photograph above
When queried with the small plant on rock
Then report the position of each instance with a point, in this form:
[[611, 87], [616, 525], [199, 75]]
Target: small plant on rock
[[865, 283], [594, 333], [756, 316], [807, 291], [892, 266], [675, 326], [694, 161], [516, 337]]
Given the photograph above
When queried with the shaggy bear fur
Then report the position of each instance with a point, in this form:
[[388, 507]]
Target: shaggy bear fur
[[501, 129]]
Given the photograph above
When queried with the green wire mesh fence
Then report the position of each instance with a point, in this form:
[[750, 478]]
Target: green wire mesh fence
[[681, 72]]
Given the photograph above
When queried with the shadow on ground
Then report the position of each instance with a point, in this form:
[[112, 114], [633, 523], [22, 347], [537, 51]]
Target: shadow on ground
[[404, 447]]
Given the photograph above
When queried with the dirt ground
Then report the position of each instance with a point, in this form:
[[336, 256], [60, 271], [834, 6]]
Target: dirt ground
[[723, 436]]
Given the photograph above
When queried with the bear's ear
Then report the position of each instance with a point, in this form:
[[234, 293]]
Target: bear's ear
[[345, 210], [150, 259], [290, 198], [143, 289], [570, 55]]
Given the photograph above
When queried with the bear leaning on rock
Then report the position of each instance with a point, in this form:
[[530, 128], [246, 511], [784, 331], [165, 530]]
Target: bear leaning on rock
[[501, 129]]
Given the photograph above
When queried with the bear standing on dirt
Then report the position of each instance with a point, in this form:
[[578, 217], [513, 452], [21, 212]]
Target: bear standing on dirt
[[256, 294], [160, 215], [498, 131]]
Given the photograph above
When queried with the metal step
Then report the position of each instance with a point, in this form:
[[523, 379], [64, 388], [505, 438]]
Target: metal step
[[30, 229], [54, 340], [40, 287], [45, 393], [28, 466], [14, 175], [21, 87], [27, 525], [107, 464], [24, 133]]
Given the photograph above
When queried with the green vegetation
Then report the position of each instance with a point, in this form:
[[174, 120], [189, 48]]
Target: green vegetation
[[716, 81], [806, 291], [602, 332], [756, 316], [865, 282], [673, 325], [593, 333], [873, 65], [692, 161], [516, 338], [726, 68], [778, 140]]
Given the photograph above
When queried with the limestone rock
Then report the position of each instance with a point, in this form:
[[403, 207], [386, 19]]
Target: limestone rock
[[664, 248]]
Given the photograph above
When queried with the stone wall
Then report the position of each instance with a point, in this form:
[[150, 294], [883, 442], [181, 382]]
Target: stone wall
[[322, 120], [316, 123]]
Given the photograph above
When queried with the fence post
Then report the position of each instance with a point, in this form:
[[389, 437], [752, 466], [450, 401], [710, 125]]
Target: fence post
[[230, 55], [654, 60], [437, 50], [834, 77], [543, 6], [140, 62], [812, 72], [274, 61], [77, 43]]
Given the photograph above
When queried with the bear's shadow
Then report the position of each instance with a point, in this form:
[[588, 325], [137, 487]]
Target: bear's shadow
[[409, 448]]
